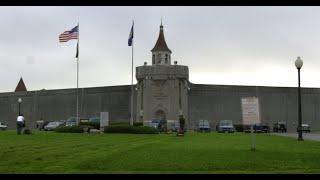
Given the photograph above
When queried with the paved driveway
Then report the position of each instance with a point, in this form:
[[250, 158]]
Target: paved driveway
[[306, 136]]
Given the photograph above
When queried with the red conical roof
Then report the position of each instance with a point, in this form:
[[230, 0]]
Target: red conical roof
[[161, 44], [20, 86]]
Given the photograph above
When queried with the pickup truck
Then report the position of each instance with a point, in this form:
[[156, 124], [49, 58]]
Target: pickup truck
[[3, 126]]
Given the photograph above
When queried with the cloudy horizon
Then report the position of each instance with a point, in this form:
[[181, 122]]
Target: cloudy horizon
[[254, 46]]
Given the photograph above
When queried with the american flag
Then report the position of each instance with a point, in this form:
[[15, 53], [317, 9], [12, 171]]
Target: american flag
[[68, 35]]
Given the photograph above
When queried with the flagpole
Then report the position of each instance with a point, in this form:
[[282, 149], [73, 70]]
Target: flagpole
[[78, 76], [131, 118]]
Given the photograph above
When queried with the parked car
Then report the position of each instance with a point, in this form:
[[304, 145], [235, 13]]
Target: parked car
[[257, 128], [94, 119], [280, 127], [53, 125], [305, 128], [3, 126], [155, 123], [225, 126], [204, 126], [71, 121]]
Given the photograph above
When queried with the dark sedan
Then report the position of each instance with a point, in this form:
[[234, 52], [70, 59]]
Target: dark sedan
[[257, 128]]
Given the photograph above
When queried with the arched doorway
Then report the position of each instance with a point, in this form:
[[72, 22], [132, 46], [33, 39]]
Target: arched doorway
[[160, 121], [160, 115]]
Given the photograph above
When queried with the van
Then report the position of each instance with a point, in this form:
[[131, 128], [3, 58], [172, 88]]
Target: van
[[204, 126]]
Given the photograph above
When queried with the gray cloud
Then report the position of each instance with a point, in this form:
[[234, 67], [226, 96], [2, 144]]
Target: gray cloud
[[221, 45]]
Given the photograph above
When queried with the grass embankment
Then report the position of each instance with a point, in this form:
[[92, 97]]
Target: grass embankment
[[50, 152]]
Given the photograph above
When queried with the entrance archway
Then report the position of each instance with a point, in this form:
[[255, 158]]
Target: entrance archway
[[161, 115]]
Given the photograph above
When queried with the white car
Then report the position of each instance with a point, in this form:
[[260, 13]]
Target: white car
[[3, 126], [52, 125]]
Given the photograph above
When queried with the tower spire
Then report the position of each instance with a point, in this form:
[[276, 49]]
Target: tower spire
[[161, 54], [161, 44], [21, 86]]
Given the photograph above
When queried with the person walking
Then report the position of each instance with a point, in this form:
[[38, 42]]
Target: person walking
[[20, 123]]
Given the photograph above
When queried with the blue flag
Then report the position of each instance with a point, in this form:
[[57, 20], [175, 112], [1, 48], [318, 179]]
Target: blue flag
[[130, 36]]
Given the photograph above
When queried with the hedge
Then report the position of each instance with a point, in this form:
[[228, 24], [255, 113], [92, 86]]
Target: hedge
[[118, 123], [131, 129], [70, 129], [238, 127], [137, 124], [95, 125]]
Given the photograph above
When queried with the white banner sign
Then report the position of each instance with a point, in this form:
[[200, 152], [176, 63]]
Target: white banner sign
[[250, 110]]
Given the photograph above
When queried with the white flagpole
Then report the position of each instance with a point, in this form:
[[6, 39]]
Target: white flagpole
[[131, 118], [78, 76]]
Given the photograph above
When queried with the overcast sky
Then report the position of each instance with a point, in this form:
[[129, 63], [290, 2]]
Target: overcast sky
[[221, 45]]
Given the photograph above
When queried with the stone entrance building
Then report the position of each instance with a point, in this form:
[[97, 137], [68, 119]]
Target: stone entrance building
[[162, 87], [163, 91]]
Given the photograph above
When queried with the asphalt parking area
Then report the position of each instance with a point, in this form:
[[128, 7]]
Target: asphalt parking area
[[307, 136]]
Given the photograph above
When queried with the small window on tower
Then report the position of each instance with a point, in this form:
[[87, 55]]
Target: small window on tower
[[159, 58], [153, 59], [166, 59]]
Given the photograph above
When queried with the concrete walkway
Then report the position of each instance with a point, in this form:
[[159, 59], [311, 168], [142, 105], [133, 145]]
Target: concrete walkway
[[306, 136]]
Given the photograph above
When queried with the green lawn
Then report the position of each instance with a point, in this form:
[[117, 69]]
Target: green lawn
[[50, 152]]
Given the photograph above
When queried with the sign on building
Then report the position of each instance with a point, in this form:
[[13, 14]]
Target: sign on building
[[104, 119], [250, 110]]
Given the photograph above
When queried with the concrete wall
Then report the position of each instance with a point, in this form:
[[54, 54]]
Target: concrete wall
[[217, 102], [212, 102], [61, 104]]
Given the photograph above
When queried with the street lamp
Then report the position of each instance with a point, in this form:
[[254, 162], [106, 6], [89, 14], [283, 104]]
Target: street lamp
[[299, 64], [19, 101]]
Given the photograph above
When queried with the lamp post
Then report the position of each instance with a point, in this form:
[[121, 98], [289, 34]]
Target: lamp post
[[141, 115], [299, 64], [19, 101]]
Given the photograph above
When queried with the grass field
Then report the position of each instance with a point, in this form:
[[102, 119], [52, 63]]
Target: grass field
[[49, 152]]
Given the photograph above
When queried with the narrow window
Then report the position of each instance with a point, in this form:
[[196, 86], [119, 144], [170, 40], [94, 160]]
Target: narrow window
[[159, 58]]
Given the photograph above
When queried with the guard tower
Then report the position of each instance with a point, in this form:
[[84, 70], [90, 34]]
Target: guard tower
[[162, 88]]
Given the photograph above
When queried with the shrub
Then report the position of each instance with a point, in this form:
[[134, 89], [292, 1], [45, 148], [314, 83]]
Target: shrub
[[145, 130], [70, 129], [27, 131], [130, 129], [118, 129], [238, 127], [137, 124], [93, 125]]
